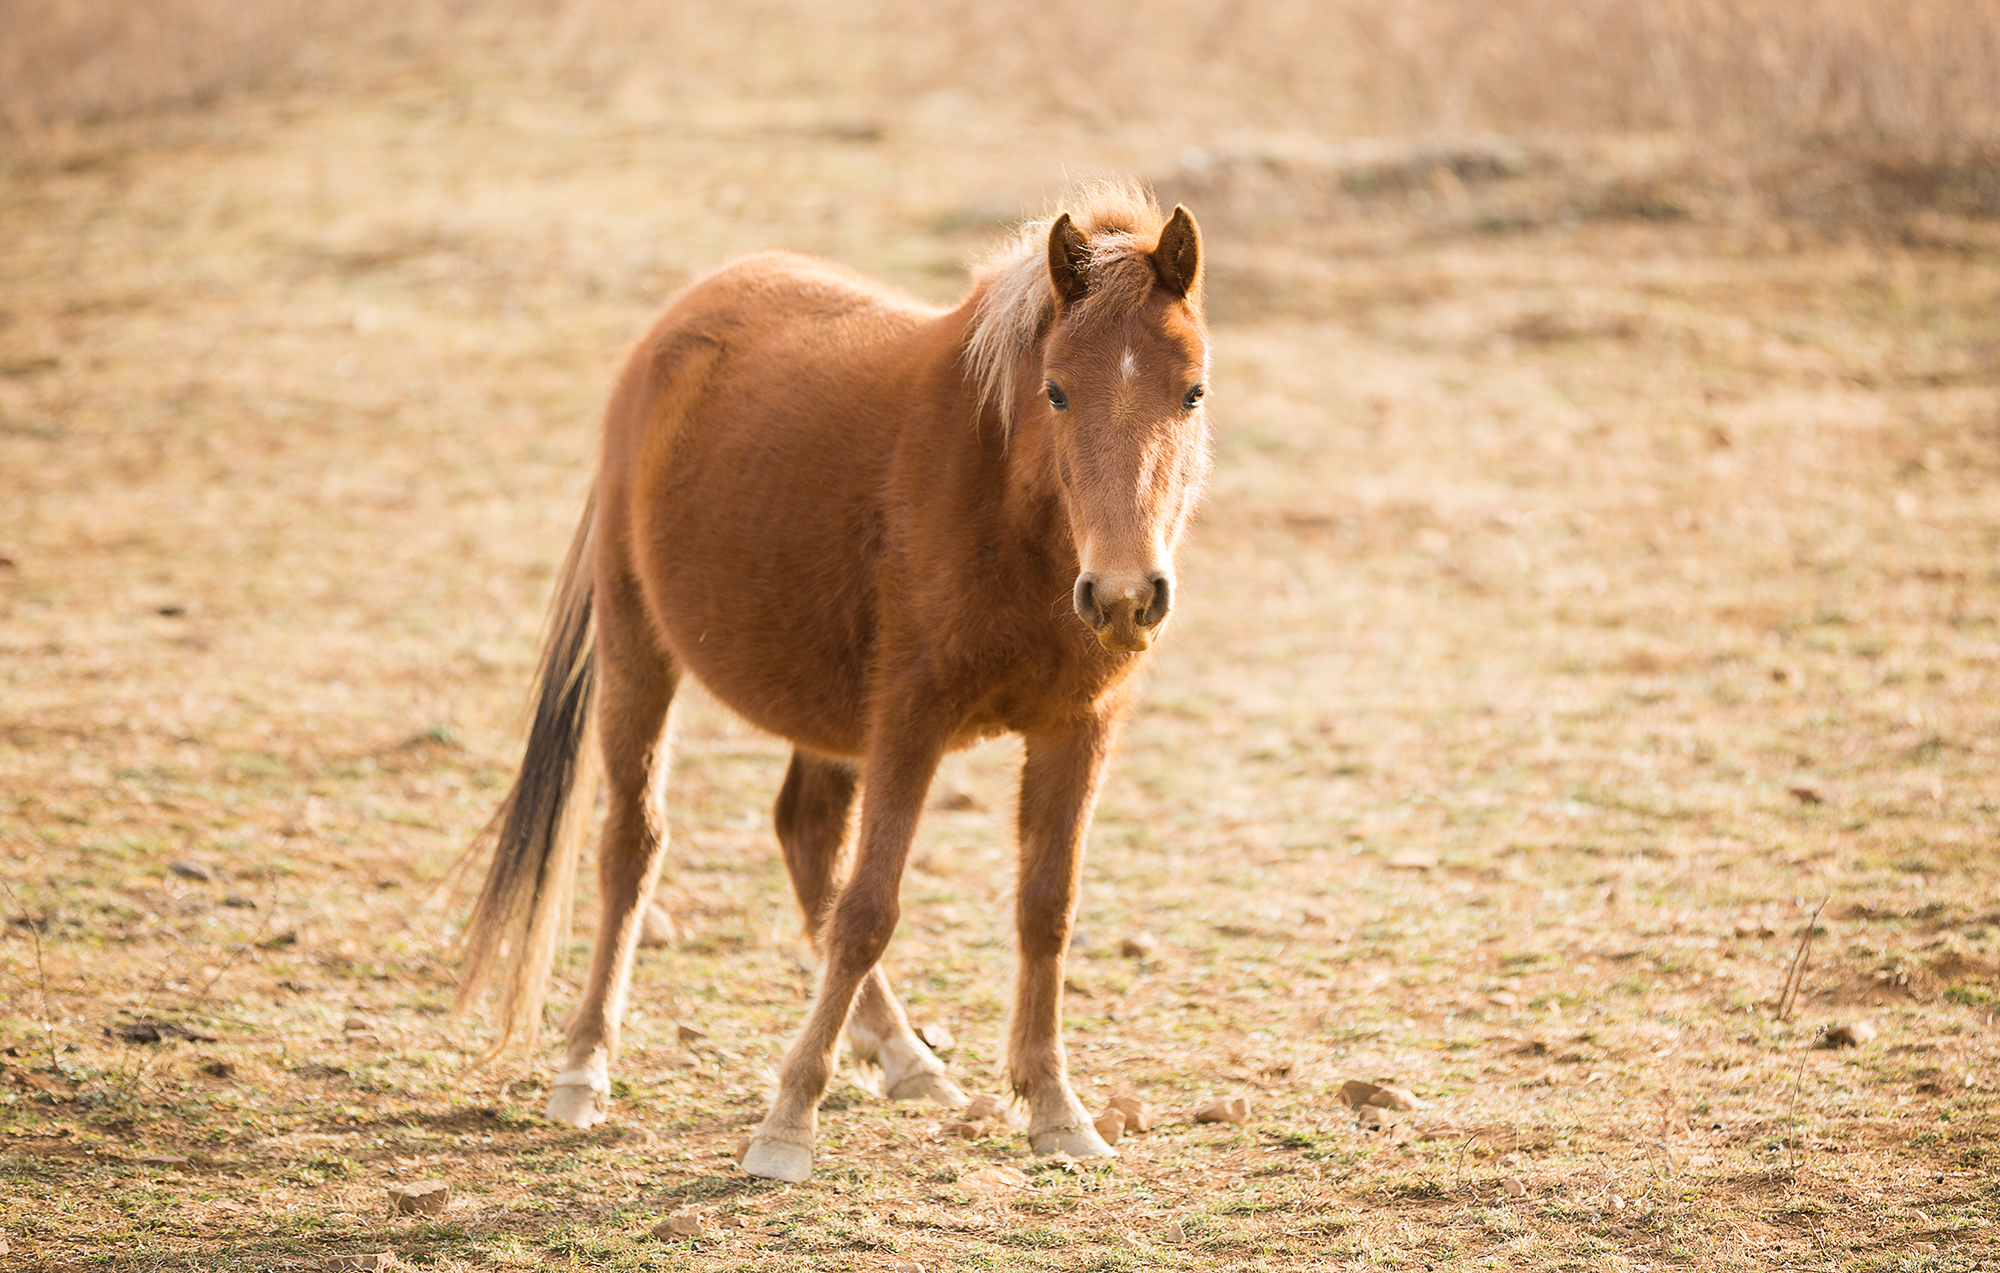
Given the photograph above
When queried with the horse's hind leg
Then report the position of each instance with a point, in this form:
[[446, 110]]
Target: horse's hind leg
[[1058, 786], [812, 822], [637, 688]]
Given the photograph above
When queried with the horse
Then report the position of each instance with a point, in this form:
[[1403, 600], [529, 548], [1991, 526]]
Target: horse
[[880, 530]]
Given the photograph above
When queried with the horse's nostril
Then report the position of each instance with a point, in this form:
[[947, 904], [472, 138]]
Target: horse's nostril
[[1085, 599], [1163, 600]]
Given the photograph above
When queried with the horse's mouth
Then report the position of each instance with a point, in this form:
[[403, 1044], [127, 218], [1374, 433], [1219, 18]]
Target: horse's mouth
[[1128, 641]]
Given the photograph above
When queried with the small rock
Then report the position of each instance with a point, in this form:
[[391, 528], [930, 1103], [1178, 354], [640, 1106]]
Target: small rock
[[1513, 1187], [1139, 1116], [1174, 1234], [656, 927], [1374, 1118], [1813, 793], [1234, 1109], [156, 1032], [937, 1037], [1413, 860], [1110, 1125], [906, 1266], [3, 1244], [1851, 1034], [954, 801], [1617, 1203], [1503, 999], [353, 1024], [424, 1198], [1357, 1093], [195, 871], [364, 1263], [1139, 946], [163, 1160], [681, 1224], [690, 1034], [961, 1131], [680, 1061], [990, 1181], [982, 1109], [236, 901]]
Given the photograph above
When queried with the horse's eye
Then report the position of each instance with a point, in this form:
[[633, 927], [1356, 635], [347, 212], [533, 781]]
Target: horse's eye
[[1057, 398], [1193, 397]]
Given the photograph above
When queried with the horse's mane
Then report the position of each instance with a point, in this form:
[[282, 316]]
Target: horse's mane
[[1122, 223]]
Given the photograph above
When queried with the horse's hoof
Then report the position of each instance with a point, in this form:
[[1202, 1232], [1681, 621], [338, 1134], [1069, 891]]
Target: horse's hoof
[[928, 1085], [580, 1097], [1077, 1142], [777, 1160]]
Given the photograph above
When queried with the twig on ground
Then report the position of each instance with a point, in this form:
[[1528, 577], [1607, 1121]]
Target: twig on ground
[[264, 928]]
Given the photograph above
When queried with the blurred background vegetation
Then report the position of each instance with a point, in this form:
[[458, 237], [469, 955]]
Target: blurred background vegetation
[[1918, 80]]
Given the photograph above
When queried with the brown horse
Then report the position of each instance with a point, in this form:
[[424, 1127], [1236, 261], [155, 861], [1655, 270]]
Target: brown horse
[[881, 531]]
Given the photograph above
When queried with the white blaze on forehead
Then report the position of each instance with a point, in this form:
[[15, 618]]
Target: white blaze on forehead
[[1128, 366]]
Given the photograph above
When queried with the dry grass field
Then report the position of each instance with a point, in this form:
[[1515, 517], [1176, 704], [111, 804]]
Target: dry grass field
[[1598, 605]]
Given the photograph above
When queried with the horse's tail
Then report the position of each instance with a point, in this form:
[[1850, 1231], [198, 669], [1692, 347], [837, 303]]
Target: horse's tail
[[523, 908]]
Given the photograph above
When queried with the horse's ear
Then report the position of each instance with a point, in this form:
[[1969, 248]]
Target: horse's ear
[[1178, 258], [1069, 258]]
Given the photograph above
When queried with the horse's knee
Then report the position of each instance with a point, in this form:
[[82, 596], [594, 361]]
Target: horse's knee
[[863, 923], [1044, 913]]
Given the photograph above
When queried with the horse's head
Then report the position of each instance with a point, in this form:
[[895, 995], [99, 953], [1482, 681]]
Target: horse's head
[[1125, 368]]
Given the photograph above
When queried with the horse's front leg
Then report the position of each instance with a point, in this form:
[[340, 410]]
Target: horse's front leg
[[1058, 787], [811, 819], [896, 775]]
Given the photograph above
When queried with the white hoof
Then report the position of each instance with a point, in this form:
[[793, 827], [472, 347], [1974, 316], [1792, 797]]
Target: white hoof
[[928, 1085], [771, 1159], [911, 1073], [581, 1096], [1077, 1142]]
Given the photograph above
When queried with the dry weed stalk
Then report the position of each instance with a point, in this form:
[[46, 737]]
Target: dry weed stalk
[[41, 971], [1795, 975]]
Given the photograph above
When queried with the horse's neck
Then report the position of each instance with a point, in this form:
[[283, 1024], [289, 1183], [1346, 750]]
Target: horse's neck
[[1012, 467], [1036, 512]]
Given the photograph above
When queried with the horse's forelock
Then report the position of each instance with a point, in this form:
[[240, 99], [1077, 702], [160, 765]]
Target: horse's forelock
[[1120, 221]]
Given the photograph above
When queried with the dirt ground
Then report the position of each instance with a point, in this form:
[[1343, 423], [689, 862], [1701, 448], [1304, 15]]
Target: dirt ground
[[1592, 594]]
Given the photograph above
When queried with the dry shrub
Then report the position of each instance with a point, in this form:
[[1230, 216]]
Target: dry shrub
[[66, 60], [1920, 73], [1923, 74]]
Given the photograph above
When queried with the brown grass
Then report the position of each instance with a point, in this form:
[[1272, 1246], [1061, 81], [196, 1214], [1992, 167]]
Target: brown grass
[[1550, 555]]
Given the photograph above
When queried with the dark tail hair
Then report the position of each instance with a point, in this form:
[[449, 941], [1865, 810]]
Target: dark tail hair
[[523, 909]]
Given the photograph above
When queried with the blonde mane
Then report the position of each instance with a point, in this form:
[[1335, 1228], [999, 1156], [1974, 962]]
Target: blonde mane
[[1122, 223]]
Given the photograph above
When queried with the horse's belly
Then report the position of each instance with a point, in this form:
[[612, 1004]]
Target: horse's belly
[[761, 604]]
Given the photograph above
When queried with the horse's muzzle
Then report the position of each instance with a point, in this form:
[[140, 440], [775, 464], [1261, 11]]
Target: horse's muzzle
[[1126, 617]]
